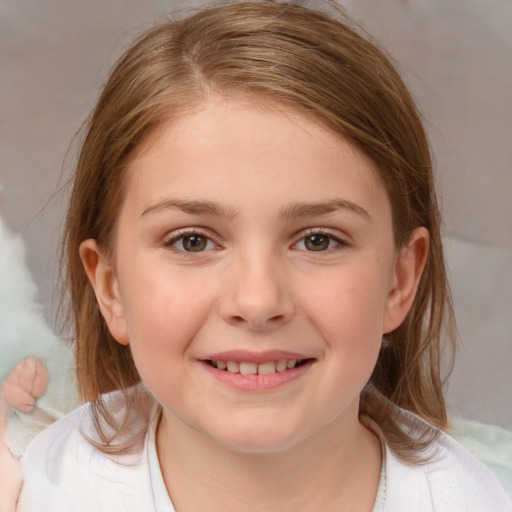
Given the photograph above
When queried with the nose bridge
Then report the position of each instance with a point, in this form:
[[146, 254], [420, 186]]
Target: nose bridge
[[258, 293]]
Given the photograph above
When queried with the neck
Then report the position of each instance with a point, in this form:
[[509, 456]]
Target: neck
[[335, 469]]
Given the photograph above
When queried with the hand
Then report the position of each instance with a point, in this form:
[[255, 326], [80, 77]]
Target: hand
[[26, 382]]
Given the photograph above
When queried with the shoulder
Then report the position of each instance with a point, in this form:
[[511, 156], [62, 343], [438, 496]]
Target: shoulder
[[451, 479], [63, 470]]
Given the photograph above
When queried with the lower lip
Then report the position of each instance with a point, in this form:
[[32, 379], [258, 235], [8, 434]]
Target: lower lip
[[258, 382]]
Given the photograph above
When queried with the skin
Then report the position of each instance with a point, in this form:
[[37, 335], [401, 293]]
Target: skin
[[27, 381], [257, 286]]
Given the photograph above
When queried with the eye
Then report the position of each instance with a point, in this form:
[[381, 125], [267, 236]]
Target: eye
[[193, 242], [319, 241]]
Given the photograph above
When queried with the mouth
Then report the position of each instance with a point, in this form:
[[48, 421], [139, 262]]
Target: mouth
[[252, 368], [250, 371]]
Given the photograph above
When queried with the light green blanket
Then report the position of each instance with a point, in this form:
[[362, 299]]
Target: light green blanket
[[490, 444]]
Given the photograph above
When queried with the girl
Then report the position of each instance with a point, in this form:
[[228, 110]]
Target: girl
[[257, 283]]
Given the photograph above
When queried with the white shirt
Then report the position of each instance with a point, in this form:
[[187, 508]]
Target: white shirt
[[64, 473]]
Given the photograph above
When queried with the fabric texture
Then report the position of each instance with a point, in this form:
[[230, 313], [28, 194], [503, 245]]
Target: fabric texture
[[64, 471], [490, 444]]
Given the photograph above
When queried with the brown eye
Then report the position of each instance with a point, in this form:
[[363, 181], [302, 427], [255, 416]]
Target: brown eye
[[194, 243], [190, 242], [317, 242]]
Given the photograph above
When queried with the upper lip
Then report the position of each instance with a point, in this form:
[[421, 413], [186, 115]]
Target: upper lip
[[255, 357]]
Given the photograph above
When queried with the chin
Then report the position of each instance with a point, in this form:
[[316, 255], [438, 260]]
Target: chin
[[258, 439]]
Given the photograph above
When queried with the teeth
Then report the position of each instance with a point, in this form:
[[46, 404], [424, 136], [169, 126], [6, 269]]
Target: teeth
[[281, 365], [233, 367], [267, 368], [247, 368]]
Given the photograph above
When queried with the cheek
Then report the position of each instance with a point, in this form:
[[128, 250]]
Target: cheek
[[348, 306], [163, 313]]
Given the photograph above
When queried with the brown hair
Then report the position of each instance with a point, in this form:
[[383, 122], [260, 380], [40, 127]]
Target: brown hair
[[285, 55]]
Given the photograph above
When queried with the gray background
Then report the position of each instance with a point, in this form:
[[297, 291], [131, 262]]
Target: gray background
[[455, 54]]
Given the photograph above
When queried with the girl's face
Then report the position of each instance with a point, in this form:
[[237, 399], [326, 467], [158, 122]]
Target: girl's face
[[254, 276]]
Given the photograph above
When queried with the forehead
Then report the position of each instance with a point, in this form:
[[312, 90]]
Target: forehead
[[236, 147]]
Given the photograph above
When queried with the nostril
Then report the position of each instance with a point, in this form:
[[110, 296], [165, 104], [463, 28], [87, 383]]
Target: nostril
[[257, 323]]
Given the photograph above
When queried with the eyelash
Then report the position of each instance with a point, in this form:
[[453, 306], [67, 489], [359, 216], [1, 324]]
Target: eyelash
[[341, 243], [185, 233]]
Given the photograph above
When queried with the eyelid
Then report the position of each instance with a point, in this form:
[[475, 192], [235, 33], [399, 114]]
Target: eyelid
[[171, 238], [337, 237]]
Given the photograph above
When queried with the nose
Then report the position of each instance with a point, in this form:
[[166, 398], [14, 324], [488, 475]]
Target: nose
[[256, 294]]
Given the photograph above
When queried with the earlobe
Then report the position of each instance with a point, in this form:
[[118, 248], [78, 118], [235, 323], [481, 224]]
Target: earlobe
[[406, 278], [106, 288]]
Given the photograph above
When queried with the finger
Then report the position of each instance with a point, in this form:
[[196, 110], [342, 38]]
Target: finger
[[41, 378], [28, 372], [18, 397], [31, 375], [19, 372]]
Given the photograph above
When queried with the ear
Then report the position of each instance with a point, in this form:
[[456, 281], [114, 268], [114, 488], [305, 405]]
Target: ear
[[406, 277], [106, 288]]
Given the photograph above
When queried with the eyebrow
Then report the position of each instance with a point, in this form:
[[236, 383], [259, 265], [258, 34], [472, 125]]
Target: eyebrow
[[293, 210], [192, 207]]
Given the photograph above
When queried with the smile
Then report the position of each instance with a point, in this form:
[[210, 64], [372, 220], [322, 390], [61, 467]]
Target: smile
[[251, 368], [257, 372]]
